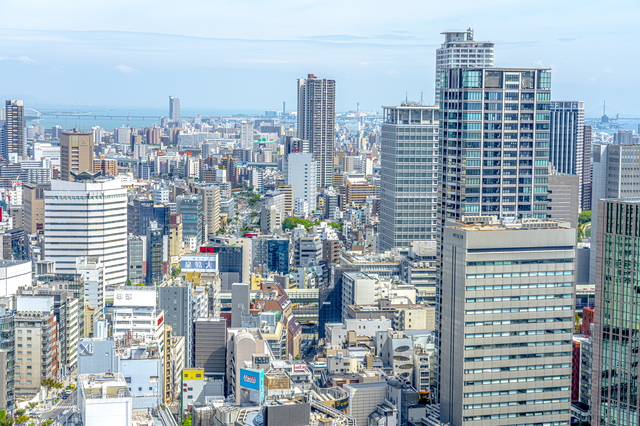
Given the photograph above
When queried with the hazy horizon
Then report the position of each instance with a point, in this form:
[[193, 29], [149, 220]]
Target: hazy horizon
[[248, 55]]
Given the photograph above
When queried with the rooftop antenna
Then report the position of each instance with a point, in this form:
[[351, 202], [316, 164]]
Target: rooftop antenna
[[421, 94], [406, 97]]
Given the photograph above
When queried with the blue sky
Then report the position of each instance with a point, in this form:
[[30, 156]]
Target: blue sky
[[247, 54]]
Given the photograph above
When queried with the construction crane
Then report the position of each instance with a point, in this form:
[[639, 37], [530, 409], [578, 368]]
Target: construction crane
[[13, 186]]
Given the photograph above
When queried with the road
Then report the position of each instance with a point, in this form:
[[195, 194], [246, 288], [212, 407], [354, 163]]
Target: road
[[62, 405]]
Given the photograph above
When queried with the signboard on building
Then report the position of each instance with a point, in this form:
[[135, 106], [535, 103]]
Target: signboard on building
[[191, 263], [342, 403], [253, 380], [299, 367]]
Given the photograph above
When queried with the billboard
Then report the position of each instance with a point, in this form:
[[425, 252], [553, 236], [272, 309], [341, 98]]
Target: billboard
[[299, 367], [342, 403], [253, 380], [192, 263], [206, 249]]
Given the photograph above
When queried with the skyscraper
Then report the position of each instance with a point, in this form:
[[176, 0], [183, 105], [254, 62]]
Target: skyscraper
[[459, 50], [13, 135], [76, 153], [567, 138], [585, 202], [617, 319], [316, 122], [174, 109], [494, 142], [615, 175], [409, 176], [246, 135], [300, 172], [506, 341], [87, 218]]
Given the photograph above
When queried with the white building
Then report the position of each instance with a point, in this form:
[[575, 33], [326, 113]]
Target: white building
[[104, 400], [134, 310], [122, 135], [46, 151], [246, 135], [87, 218], [459, 50], [160, 194], [300, 171], [92, 271], [13, 274]]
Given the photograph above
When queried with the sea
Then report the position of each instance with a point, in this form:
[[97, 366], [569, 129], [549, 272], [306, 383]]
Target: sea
[[96, 116]]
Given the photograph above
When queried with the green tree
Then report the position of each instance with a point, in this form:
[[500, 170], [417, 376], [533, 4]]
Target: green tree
[[187, 421], [292, 222], [4, 420], [584, 217], [128, 282]]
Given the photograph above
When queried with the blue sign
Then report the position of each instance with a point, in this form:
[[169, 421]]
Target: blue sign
[[254, 381], [199, 263]]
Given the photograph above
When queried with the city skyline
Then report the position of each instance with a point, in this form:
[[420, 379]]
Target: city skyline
[[375, 59]]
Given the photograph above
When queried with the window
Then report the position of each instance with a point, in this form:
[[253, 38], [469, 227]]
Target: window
[[471, 78], [544, 80]]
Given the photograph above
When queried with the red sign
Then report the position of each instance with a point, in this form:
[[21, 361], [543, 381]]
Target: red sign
[[207, 249], [248, 235], [160, 320]]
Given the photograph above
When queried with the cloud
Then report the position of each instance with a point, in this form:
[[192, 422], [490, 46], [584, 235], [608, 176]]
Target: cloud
[[26, 59], [566, 39], [591, 80], [364, 64], [540, 64], [125, 69], [393, 72]]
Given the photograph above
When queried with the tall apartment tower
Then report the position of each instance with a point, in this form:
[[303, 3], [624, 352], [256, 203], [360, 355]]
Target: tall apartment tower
[[76, 153], [615, 175], [615, 331], [567, 138], [508, 305], [300, 172], [316, 122], [87, 218], [13, 134], [246, 135], [585, 202], [494, 142], [459, 50], [211, 209], [409, 181], [174, 109]]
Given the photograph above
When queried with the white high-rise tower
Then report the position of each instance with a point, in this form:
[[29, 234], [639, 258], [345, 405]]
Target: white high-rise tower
[[459, 50], [87, 218]]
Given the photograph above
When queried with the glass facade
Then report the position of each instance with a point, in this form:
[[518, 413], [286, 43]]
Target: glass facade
[[278, 256], [617, 311]]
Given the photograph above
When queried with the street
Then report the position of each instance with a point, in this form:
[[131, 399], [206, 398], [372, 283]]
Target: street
[[62, 405]]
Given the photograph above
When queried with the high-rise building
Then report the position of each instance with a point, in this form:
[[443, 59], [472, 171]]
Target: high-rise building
[[246, 135], [459, 50], [13, 135], [155, 248], [87, 218], [33, 201], [190, 207], [92, 272], [209, 345], [585, 202], [617, 320], [508, 298], [7, 359], [316, 122], [174, 109], [76, 153], [106, 167], [211, 209], [563, 199], [567, 138], [300, 172], [176, 302], [494, 146], [615, 175], [409, 183], [135, 259], [122, 135], [624, 137]]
